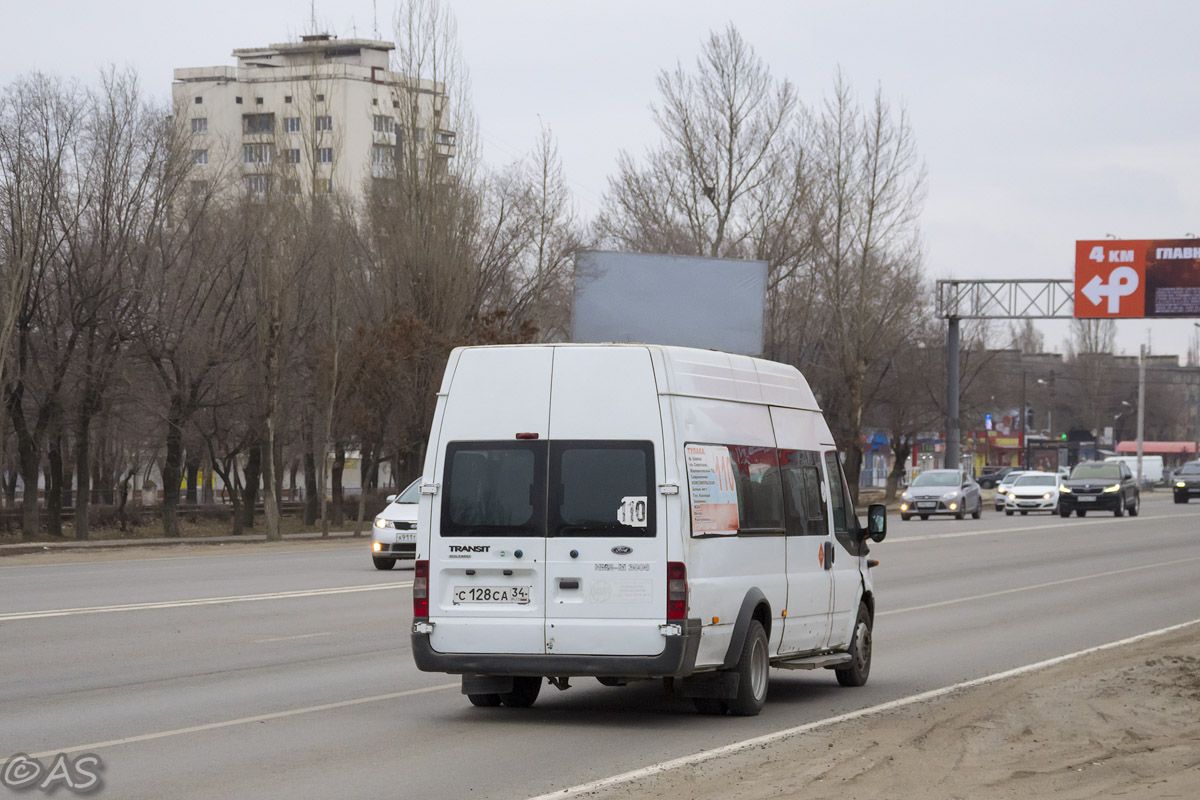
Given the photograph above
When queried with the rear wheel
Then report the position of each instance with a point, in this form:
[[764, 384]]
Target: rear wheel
[[860, 652], [383, 563], [525, 692], [1136, 508], [484, 700], [753, 670]]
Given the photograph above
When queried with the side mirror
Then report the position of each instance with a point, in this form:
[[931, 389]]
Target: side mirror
[[391, 498], [877, 521]]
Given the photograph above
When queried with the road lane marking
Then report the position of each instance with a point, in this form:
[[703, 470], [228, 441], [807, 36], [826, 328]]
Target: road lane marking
[[293, 638], [229, 723], [1036, 586], [352, 544], [758, 741], [201, 601], [1060, 525]]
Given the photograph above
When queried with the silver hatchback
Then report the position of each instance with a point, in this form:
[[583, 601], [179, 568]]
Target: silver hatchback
[[949, 492]]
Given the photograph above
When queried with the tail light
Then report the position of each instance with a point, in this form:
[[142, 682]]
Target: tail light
[[421, 589], [677, 590]]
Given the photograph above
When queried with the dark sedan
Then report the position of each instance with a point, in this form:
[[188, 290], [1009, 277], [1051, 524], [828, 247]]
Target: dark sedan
[[1099, 486], [1187, 482]]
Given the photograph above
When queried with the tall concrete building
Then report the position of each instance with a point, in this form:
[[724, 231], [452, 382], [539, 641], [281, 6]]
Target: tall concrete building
[[318, 115]]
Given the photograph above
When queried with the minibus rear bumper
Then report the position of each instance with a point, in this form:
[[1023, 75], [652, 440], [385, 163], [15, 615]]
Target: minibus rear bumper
[[678, 658]]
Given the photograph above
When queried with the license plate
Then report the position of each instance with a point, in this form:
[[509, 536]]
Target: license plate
[[411, 536], [1086, 499], [466, 595], [926, 505]]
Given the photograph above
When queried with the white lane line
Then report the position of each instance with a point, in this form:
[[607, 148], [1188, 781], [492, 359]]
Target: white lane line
[[1059, 525], [229, 723], [201, 601], [1036, 586], [293, 638], [328, 545], [746, 744]]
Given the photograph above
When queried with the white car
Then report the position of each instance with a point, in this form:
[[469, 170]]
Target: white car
[[394, 534], [1004, 485], [1033, 491]]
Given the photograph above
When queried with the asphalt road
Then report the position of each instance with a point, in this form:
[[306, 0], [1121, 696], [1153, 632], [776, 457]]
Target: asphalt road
[[289, 675]]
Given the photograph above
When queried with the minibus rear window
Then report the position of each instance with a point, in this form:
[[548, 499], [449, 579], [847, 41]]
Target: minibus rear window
[[494, 489], [602, 488]]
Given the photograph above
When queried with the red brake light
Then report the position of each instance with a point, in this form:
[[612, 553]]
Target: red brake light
[[421, 589], [677, 590], [527, 436]]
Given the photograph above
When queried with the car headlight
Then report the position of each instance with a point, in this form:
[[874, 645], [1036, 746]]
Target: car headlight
[[1181, 484], [380, 522], [1116, 487], [906, 496], [1046, 496], [1064, 490], [950, 495], [376, 546]]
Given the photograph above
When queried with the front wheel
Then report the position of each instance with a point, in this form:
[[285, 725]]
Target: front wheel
[[1136, 508], [525, 692], [1064, 512], [906, 517], [753, 670], [1007, 513], [383, 563], [484, 700], [860, 652], [1119, 511], [978, 512]]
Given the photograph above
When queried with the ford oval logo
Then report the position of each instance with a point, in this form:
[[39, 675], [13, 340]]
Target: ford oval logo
[[622, 550]]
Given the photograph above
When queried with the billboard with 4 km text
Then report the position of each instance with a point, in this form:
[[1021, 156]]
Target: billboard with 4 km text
[[1137, 278]]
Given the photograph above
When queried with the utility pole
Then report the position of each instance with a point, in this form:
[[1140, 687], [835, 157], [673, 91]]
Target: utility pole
[[1141, 407], [1023, 439], [952, 391]]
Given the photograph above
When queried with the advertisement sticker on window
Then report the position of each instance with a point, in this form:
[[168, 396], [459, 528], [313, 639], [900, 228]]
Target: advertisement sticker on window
[[713, 489]]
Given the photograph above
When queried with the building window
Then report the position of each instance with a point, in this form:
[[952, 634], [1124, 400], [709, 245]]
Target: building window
[[293, 156], [320, 98], [237, 100], [258, 184], [322, 186], [199, 156], [258, 101], [324, 124], [256, 154], [420, 135], [258, 123], [291, 186], [383, 161], [287, 98], [324, 155], [374, 101], [395, 104], [200, 125], [199, 100], [291, 124], [384, 124]]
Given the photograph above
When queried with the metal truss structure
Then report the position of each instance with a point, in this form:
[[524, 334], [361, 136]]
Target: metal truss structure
[[1006, 299]]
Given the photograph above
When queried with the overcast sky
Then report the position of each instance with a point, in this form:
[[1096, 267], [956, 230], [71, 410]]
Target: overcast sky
[[1040, 122]]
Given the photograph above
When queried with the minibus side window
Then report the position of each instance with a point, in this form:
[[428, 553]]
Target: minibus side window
[[845, 523], [803, 504], [494, 489], [760, 495]]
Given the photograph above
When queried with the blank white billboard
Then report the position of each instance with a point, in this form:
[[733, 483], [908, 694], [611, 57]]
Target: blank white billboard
[[712, 303]]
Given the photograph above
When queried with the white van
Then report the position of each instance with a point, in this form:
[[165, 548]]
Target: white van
[[1152, 467], [635, 511]]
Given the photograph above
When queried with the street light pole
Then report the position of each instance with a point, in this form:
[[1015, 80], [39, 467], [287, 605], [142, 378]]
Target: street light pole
[[1023, 438]]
